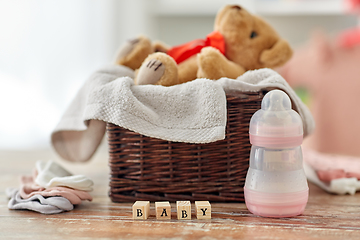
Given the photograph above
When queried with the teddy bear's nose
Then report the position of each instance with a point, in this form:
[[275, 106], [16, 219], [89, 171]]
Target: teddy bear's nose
[[236, 7]]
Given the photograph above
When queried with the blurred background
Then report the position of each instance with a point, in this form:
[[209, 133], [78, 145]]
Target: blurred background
[[49, 47]]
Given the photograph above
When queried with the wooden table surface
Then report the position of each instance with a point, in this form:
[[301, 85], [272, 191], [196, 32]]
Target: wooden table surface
[[326, 216]]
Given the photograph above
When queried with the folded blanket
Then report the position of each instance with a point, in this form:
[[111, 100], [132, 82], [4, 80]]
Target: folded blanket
[[38, 203], [193, 112], [51, 189], [50, 174], [337, 174], [29, 188]]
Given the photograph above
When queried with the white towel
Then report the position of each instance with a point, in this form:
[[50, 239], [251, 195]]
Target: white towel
[[76, 138], [193, 112]]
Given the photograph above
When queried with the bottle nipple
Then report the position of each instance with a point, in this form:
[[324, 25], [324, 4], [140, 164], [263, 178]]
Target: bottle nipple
[[276, 101]]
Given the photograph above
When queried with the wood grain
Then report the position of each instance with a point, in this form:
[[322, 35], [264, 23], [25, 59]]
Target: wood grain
[[326, 216]]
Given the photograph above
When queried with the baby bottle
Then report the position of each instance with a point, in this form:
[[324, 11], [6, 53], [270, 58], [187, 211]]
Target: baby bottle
[[276, 184]]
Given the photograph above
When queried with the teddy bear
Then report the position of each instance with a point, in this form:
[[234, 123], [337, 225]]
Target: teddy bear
[[240, 42]]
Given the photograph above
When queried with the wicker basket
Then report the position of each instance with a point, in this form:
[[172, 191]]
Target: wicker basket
[[144, 168]]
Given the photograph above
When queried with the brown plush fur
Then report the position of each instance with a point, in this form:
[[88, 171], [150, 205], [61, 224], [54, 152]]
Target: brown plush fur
[[242, 52]]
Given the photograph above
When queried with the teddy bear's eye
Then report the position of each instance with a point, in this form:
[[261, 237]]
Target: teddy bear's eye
[[253, 34]]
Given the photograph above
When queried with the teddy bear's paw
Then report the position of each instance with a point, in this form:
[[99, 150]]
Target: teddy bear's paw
[[150, 72], [133, 52], [211, 63], [159, 69], [214, 65]]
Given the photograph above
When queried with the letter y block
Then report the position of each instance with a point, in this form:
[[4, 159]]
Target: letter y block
[[203, 209]]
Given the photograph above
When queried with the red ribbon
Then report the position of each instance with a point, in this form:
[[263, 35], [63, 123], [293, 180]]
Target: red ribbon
[[182, 52]]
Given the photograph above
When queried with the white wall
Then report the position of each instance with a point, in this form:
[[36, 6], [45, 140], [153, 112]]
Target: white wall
[[49, 47], [297, 29]]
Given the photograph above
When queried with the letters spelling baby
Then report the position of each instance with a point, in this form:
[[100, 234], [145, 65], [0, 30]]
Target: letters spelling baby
[[141, 210]]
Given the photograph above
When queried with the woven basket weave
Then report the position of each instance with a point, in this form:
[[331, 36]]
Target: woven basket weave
[[144, 168]]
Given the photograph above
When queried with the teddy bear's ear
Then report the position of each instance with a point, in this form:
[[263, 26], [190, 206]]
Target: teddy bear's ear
[[277, 55]]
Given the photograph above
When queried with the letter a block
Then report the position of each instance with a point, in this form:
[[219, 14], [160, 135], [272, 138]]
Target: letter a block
[[183, 210], [141, 210], [203, 209], [163, 210]]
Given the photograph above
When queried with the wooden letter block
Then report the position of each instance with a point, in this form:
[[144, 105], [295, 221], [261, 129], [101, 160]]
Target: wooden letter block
[[141, 210], [203, 209], [183, 210], [163, 210]]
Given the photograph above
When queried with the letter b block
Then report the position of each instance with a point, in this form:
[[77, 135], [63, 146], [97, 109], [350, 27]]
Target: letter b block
[[183, 210], [141, 210], [203, 209], [163, 210]]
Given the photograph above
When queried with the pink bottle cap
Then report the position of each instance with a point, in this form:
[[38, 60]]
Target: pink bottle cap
[[276, 125]]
